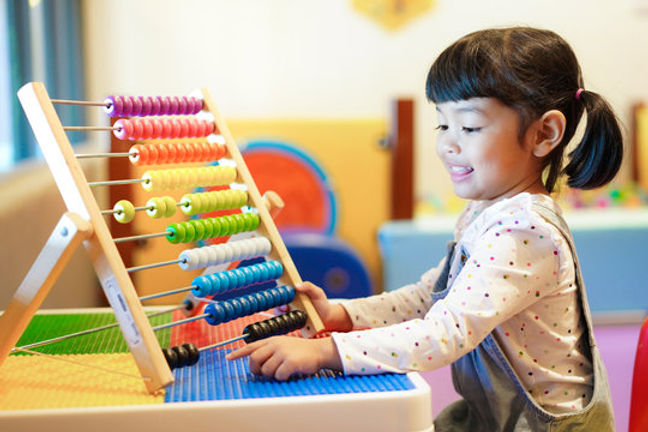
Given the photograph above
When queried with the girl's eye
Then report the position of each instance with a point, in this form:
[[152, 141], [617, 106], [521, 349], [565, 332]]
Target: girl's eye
[[470, 129], [442, 127]]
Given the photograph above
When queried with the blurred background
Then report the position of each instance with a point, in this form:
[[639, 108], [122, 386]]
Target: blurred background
[[336, 88]]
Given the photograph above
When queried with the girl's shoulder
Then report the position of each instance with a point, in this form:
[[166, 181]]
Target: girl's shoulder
[[515, 213]]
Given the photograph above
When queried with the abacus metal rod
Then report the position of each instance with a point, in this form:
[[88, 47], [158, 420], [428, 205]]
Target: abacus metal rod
[[100, 155], [86, 332], [179, 322], [150, 266], [223, 343], [168, 293], [91, 128], [116, 182], [113, 211], [76, 102], [141, 237]]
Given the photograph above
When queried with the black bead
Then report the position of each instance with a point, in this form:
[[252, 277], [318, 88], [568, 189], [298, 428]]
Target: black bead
[[193, 353], [183, 355], [171, 357]]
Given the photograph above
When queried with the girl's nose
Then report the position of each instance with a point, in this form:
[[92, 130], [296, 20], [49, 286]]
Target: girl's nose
[[448, 144]]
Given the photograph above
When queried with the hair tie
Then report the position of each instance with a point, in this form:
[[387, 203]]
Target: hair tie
[[578, 93]]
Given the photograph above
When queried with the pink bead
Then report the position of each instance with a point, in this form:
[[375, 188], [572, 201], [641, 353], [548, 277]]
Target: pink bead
[[182, 105], [148, 129], [128, 106], [123, 129], [164, 108], [137, 106], [157, 128], [166, 128], [156, 105], [138, 129], [175, 129], [193, 128], [147, 104], [210, 127], [184, 128], [173, 105]]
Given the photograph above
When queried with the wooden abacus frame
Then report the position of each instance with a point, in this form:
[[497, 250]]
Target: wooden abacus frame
[[86, 223]]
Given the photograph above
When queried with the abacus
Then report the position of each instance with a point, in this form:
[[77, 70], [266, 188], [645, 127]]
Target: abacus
[[164, 130]]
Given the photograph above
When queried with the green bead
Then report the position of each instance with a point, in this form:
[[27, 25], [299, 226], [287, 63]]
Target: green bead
[[224, 226], [216, 227], [176, 233], [190, 232], [200, 229], [233, 227], [241, 222], [253, 221], [209, 227]]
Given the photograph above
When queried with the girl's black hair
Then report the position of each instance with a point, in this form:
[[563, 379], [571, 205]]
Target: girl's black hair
[[534, 71]]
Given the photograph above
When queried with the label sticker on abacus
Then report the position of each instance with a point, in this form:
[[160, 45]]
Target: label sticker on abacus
[[122, 312]]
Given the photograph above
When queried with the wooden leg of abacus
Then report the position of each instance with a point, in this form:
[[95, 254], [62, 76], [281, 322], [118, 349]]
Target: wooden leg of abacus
[[68, 234]]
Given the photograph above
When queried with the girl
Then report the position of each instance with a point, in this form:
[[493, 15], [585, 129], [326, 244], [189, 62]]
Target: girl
[[507, 306]]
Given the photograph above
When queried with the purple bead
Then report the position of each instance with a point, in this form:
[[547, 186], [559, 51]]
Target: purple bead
[[128, 106], [156, 105], [147, 105], [113, 105], [164, 105], [198, 105], [137, 106], [182, 105], [173, 106]]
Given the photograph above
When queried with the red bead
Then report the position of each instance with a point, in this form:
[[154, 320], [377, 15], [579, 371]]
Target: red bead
[[166, 128], [148, 129], [184, 128]]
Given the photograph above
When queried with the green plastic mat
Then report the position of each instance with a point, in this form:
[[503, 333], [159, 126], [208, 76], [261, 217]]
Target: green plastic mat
[[49, 326]]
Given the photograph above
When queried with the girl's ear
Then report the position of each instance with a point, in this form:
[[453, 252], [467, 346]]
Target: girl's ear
[[550, 131]]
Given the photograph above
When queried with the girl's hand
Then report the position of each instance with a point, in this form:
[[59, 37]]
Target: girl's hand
[[280, 357], [334, 316]]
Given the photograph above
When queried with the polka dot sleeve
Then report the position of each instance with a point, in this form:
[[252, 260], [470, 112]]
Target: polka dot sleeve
[[512, 264], [406, 303]]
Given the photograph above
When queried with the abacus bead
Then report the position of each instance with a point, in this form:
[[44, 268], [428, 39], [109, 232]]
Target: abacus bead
[[171, 357], [135, 155], [124, 211], [189, 154], [190, 231], [183, 130], [182, 105], [147, 105], [255, 270], [215, 285], [138, 129], [172, 150], [290, 294], [158, 128], [198, 105], [203, 286], [183, 355], [276, 269], [162, 153], [246, 275], [237, 307], [153, 154], [155, 208], [245, 306], [233, 276], [164, 105], [173, 105], [113, 106], [198, 152], [166, 128], [261, 300], [209, 228], [200, 230], [254, 303], [128, 105], [123, 129], [256, 331], [188, 259], [224, 282], [217, 228], [229, 310], [170, 206], [224, 226], [147, 132], [193, 352], [215, 313], [136, 109], [174, 236], [156, 106]]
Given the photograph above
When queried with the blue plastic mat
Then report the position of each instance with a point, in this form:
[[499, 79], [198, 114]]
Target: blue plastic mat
[[215, 378]]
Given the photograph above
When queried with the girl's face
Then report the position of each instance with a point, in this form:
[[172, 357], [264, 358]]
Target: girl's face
[[479, 145]]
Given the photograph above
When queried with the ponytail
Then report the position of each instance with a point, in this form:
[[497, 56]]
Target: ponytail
[[597, 158]]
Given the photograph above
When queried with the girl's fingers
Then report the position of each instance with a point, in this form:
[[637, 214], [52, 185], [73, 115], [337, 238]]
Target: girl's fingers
[[284, 371], [269, 366]]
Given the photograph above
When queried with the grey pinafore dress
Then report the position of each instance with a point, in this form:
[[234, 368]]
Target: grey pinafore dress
[[494, 398]]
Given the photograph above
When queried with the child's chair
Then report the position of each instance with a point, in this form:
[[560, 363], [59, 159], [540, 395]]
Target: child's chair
[[639, 395]]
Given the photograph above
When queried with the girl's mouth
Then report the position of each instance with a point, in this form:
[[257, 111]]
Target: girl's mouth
[[459, 173]]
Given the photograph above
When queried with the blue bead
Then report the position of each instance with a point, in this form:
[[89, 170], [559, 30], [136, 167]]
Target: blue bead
[[224, 282], [237, 306], [278, 269], [265, 272], [229, 311], [248, 276], [290, 294], [216, 313], [215, 284], [254, 303], [202, 286], [245, 306], [233, 279], [256, 274]]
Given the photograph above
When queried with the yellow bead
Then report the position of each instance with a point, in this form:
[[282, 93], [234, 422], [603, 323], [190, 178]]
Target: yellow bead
[[124, 211]]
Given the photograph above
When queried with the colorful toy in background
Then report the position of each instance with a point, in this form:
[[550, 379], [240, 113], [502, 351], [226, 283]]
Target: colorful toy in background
[[627, 195], [308, 220]]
